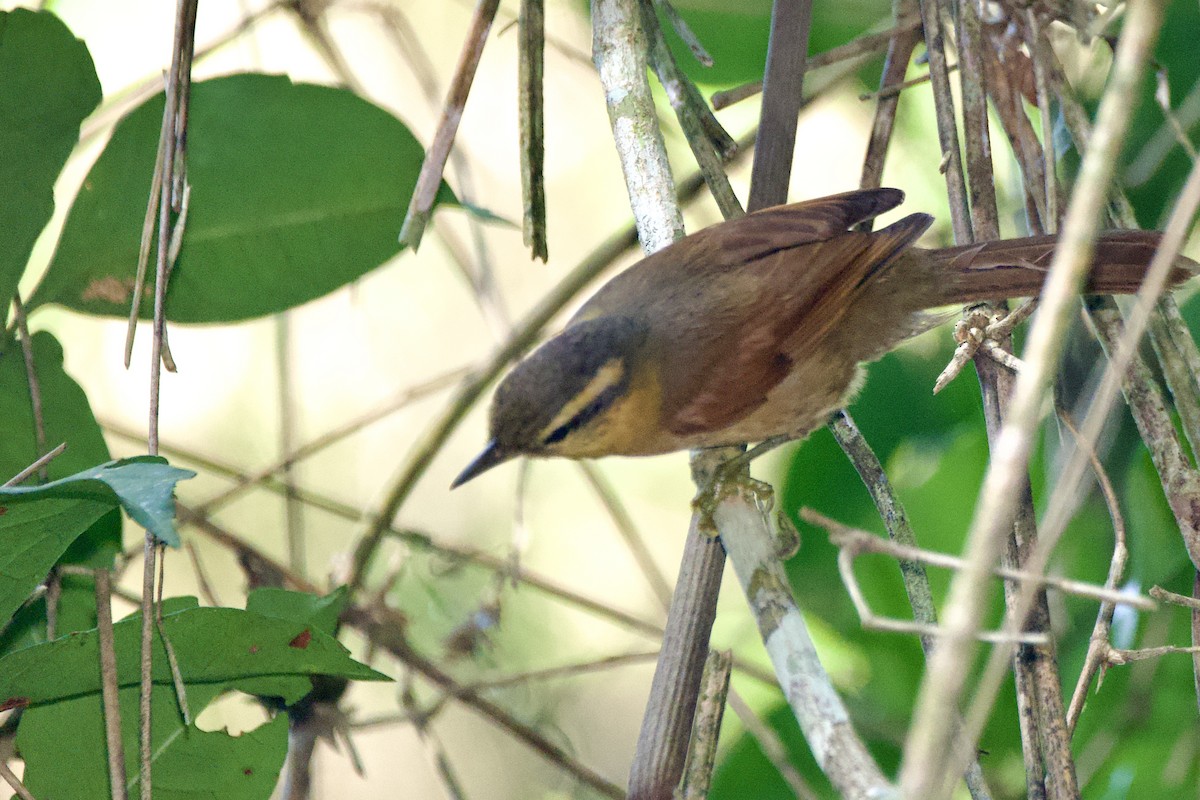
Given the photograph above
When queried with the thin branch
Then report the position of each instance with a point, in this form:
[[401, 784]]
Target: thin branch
[[35, 388], [666, 724], [430, 179], [709, 142], [530, 67], [706, 730], [939, 73], [293, 516], [901, 43], [925, 768], [619, 47], [854, 542], [13, 781], [37, 466], [783, 90], [385, 628], [320, 443], [862, 47], [108, 687], [174, 136], [629, 533], [1098, 643], [741, 517]]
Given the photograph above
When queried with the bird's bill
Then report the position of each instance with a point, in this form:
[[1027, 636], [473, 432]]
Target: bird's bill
[[491, 456]]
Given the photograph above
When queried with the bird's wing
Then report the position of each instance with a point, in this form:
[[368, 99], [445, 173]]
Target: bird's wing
[[799, 294], [704, 255]]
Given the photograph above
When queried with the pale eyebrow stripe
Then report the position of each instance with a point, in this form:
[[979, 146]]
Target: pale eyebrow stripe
[[608, 376]]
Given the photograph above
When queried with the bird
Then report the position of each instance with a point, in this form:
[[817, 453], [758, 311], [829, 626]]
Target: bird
[[758, 327]]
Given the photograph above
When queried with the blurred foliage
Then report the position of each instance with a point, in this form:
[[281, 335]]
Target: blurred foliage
[[735, 35]]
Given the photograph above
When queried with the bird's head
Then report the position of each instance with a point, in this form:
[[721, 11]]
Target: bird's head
[[558, 401]]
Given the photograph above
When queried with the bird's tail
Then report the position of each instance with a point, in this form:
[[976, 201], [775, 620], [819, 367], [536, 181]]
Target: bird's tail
[[1017, 267]]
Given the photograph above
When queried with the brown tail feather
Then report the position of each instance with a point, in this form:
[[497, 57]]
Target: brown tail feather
[[1017, 267]]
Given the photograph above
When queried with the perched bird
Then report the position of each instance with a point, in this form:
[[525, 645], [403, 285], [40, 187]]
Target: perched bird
[[757, 327]]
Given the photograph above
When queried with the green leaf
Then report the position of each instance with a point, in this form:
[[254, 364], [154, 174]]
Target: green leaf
[[201, 765], [187, 762], [68, 418], [76, 611], [296, 190], [320, 612], [47, 86], [144, 486], [212, 645]]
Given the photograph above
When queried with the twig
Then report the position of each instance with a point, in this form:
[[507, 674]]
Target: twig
[[36, 466], [108, 687], [901, 43], [446, 773], [710, 709], [939, 74], [430, 179], [708, 140], [666, 724], [139, 279], [13, 781], [619, 47], [1098, 643], [385, 628], [293, 517], [1049, 769], [185, 711], [684, 31], [864, 46], [854, 542], [565, 671], [320, 443], [741, 518], [174, 136], [924, 767], [1159, 593], [866, 463], [783, 88], [35, 389], [532, 26], [629, 532]]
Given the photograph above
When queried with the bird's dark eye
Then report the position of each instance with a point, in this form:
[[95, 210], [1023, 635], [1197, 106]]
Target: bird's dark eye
[[559, 433], [589, 412]]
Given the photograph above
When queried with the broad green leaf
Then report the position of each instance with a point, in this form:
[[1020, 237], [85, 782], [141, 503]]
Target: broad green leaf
[[33, 536], [76, 611], [202, 765], [47, 86], [296, 190], [187, 762], [320, 612], [212, 645], [68, 418], [144, 486]]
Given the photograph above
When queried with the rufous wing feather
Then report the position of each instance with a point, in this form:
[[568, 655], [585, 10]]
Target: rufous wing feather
[[801, 294]]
